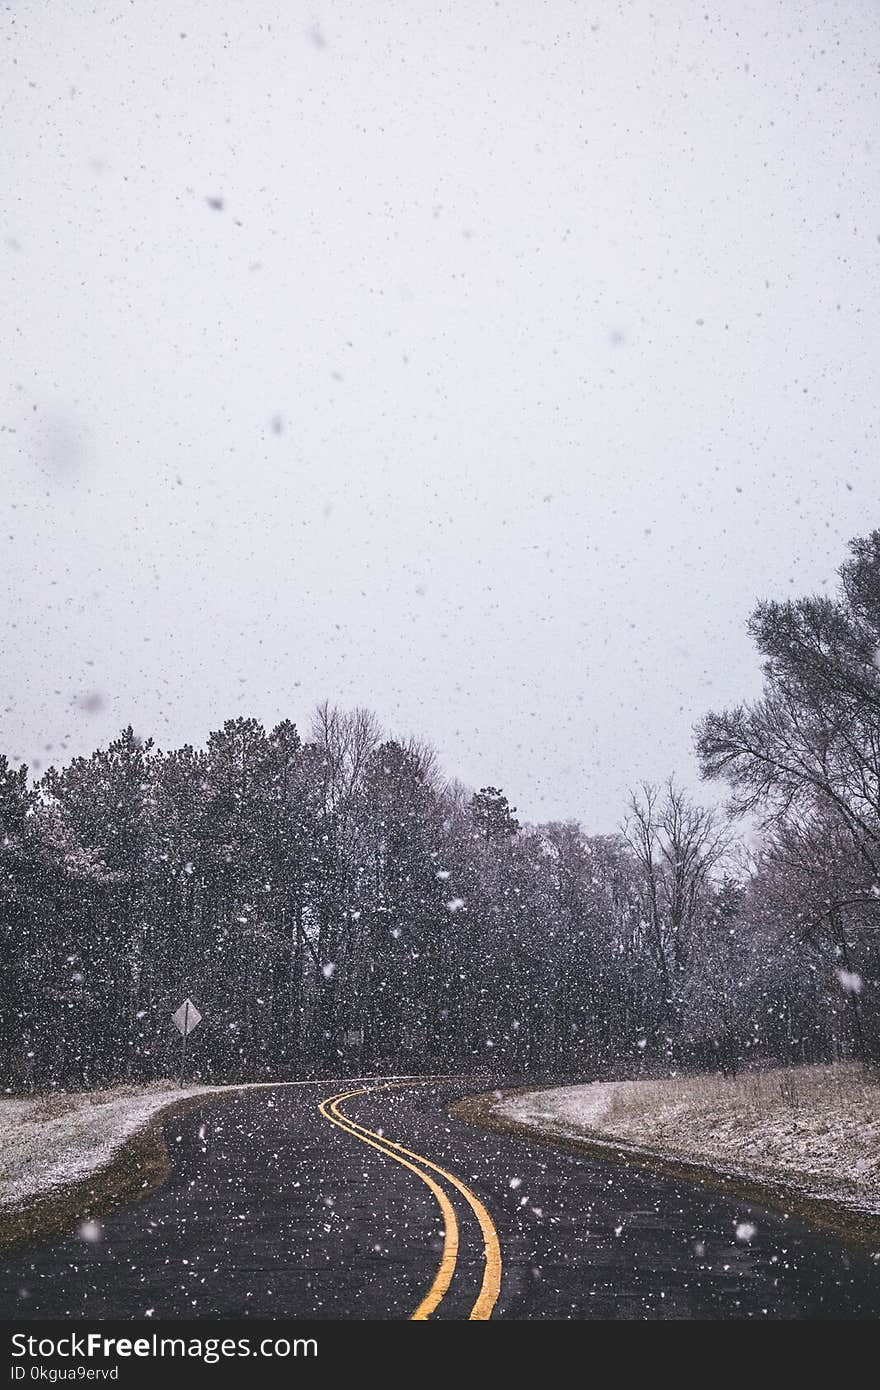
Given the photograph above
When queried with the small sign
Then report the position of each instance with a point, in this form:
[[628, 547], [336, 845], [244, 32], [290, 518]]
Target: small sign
[[186, 1018]]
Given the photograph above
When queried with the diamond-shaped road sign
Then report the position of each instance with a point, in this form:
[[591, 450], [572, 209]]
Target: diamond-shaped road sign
[[186, 1018]]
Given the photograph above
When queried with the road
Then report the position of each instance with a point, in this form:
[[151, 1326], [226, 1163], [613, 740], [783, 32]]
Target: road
[[296, 1203]]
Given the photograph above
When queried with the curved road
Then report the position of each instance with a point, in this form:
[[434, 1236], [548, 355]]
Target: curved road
[[371, 1202]]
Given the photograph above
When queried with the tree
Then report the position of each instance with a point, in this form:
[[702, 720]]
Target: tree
[[806, 757], [493, 815], [677, 846]]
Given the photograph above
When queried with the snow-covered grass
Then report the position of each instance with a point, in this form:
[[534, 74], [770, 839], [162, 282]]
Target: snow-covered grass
[[814, 1128], [50, 1142]]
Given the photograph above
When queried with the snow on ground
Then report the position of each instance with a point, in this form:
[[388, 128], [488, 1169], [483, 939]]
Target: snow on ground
[[51, 1141], [813, 1128]]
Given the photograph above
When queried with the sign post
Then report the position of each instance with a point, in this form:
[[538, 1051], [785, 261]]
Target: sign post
[[185, 1019]]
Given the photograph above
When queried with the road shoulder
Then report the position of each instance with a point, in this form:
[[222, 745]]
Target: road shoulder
[[854, 1226], [136, 1168]]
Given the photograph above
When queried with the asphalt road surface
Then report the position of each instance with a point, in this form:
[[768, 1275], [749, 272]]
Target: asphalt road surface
[[288, 1204]]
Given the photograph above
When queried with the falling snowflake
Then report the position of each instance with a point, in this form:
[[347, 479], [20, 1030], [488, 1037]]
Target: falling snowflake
[[850, 982]]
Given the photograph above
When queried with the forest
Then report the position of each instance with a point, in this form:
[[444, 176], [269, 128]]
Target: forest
[[333, 904]]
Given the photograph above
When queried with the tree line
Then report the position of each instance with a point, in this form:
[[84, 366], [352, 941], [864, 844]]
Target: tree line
[[332, 903]]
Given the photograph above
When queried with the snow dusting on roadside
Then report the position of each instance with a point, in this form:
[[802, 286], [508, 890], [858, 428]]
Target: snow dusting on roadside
[[572, 1111], [49, 1142], [816, 1129]]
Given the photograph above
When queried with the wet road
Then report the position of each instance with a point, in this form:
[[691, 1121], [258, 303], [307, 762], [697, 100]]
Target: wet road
[[276, 1209]]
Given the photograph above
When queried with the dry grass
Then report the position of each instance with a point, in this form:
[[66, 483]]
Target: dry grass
[[48, 1105], [752, 1096]]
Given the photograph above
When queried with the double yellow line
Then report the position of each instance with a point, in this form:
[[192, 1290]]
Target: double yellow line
[[416, 1163]]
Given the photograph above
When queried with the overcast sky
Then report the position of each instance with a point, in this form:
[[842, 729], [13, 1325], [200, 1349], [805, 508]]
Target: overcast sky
[[479, 363]]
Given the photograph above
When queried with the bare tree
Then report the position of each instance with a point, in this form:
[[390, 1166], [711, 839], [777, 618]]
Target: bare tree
[[677, 846]]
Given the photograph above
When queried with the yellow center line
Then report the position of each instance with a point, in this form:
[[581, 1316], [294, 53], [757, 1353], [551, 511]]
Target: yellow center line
[[491, 1282], [443, 1277]]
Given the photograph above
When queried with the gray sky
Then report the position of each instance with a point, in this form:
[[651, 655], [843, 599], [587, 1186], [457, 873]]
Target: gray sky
[[530, 345]]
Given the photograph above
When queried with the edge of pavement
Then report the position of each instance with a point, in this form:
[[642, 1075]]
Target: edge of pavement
[[857, 1227], [137, 1167]]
